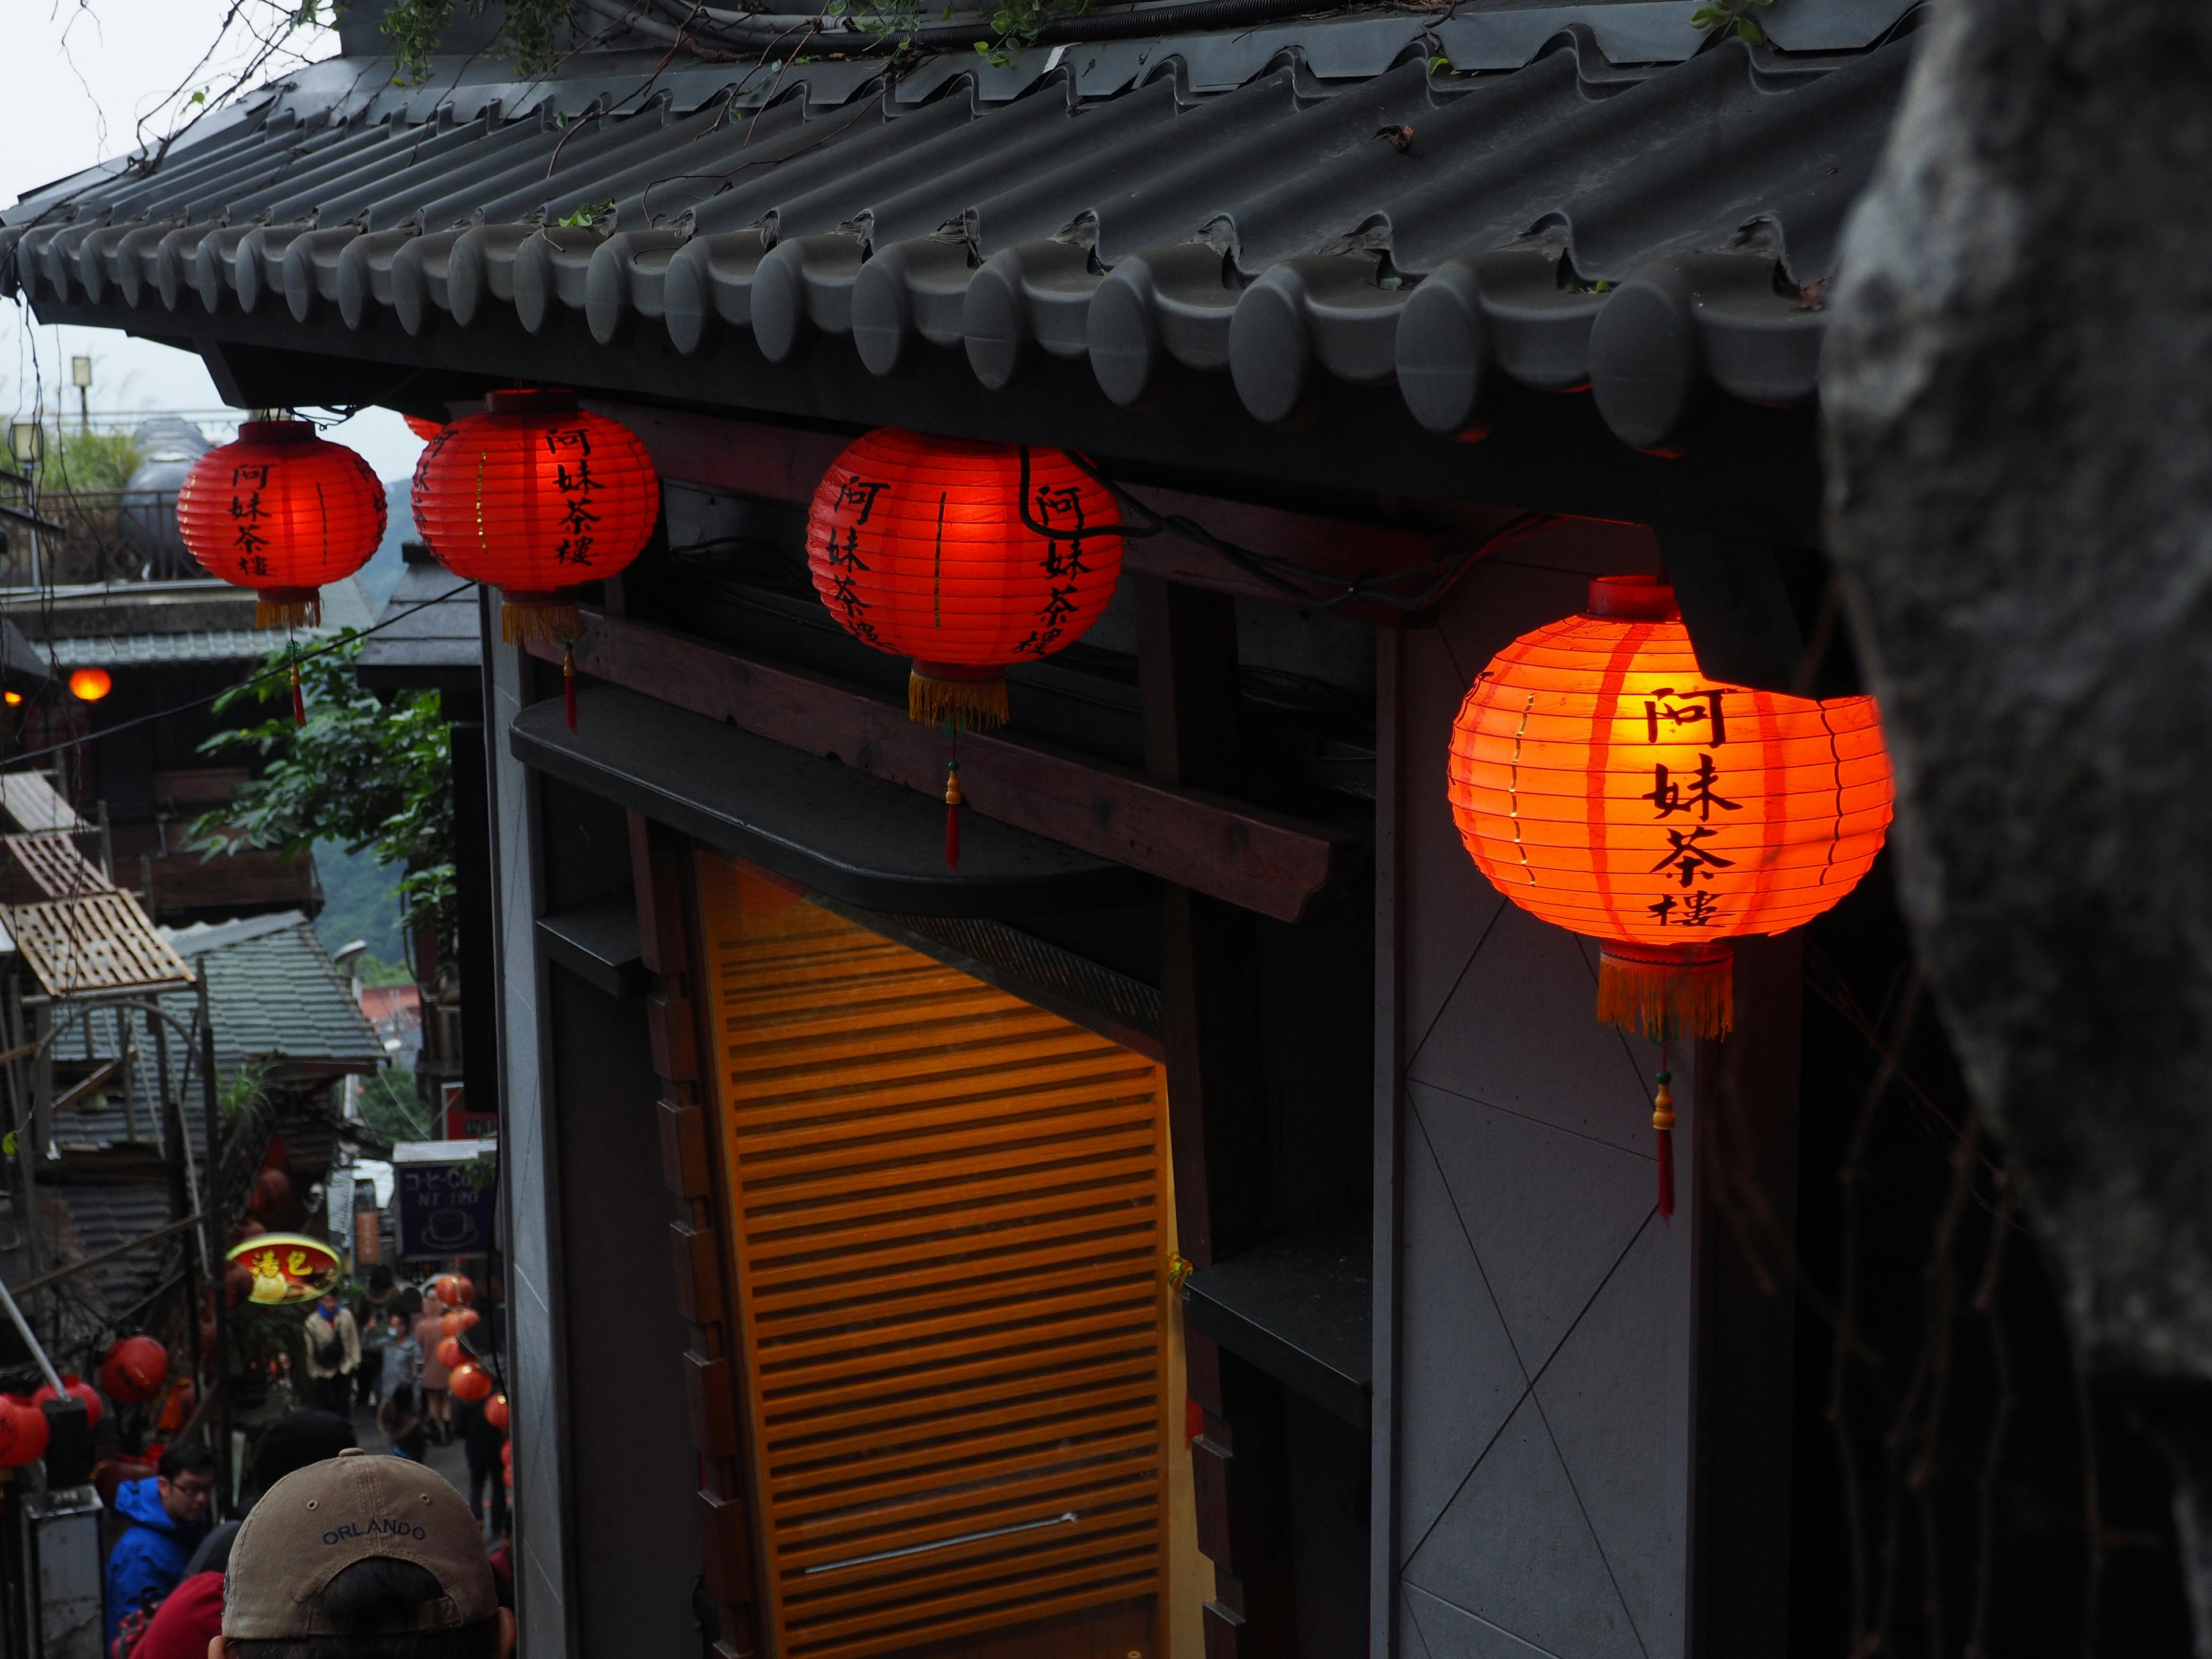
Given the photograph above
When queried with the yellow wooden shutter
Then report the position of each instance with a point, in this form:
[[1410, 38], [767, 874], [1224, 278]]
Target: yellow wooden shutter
[[948, 1239]]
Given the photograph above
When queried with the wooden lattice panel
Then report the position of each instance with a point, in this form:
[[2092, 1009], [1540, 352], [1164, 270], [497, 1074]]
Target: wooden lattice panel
[[948, 1233], [103, 943], [55, 866]]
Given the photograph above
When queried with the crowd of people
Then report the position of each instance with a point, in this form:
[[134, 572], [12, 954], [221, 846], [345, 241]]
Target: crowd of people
[[369, 1361]]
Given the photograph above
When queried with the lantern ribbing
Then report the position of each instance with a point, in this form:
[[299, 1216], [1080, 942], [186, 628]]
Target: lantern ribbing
[[282, 510]]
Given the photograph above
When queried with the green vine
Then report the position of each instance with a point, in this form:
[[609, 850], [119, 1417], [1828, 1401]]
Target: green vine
[[531, 34], [1731, 17], [1015, 24]]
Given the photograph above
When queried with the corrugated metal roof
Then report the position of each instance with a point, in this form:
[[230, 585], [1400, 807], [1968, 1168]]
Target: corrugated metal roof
[[1562, 196], [134, 624], [428, 631]]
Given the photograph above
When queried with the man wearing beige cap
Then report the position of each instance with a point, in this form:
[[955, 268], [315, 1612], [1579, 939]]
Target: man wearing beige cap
[[370, 1558]]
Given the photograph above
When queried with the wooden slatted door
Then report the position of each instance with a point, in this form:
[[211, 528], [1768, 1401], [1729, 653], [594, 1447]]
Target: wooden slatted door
[[946, 1221]]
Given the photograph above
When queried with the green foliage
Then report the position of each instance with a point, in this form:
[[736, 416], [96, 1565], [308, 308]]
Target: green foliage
[[1017, 24], [92, 460], [1724, 16], [530, 34], [243, 1090], [260, 1334], [587, 214], [373, 971], [373, 777], [392, 1110]]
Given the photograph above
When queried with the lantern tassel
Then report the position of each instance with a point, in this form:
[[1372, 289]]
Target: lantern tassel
[[568, 684], [287, 607], [535, 619], [1662, 994], [953, 799], [299, 696], [944, 693], [1662, 1121]]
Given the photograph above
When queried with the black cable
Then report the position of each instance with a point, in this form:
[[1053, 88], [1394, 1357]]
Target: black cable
[[338, 643]]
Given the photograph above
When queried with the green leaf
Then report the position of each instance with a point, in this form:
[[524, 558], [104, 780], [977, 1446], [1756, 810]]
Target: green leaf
[[1749, 32]]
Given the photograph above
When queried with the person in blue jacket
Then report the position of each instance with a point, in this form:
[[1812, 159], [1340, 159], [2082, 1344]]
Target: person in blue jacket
[[168, 1516]]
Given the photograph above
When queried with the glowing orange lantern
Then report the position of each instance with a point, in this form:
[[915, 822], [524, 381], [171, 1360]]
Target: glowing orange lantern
[[964, 557], [1603, 783], [23, 1432], [461, 1319], [91, 685], [282, 510], [536, 497], [469, 1381], [133, 1371], [448, 1352], [496, 1412], [453, 1290]]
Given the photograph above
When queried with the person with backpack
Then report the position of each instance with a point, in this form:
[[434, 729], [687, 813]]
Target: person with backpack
[[333, 1355], [169, 1514]]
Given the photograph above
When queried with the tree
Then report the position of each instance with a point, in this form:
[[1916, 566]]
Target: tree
[[376, 777], [2019, 396]]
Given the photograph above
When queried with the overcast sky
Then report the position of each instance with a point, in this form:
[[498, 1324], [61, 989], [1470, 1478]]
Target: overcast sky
[[80, 74]]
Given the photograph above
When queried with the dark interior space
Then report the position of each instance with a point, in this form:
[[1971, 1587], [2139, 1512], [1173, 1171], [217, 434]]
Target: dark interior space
[[1960, 1486]]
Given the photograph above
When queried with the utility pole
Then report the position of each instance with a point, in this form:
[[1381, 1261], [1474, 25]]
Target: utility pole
[[81, 378]]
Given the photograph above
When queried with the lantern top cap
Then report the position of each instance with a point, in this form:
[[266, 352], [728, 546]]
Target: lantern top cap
[[1633, 598], [276, 431], [531, 400]]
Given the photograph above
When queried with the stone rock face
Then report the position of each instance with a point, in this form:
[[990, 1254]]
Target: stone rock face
[[2019, 396]]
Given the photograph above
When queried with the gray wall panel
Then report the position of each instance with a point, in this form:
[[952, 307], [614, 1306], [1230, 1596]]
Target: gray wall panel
[[1539, 1454]]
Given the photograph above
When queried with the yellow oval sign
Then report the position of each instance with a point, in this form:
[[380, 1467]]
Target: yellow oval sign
[[286, 1267]]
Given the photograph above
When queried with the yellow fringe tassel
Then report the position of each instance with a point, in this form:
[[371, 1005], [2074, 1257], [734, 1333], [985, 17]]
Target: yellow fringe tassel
[[1662, 996], [971, 705], [287, 613], [538, 621]]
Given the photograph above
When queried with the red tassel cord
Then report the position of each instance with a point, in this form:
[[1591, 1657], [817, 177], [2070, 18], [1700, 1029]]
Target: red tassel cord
[[568, 683], [299, 696], [1662, 1120], [953, 799]]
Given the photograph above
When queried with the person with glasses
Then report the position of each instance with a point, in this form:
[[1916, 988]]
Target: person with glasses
[[168, 1516]]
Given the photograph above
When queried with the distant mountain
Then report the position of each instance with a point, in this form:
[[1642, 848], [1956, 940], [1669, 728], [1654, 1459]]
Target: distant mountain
[[381, 573]]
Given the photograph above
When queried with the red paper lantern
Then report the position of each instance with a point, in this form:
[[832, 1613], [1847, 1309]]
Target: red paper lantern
[[282, 510], [536, 497], [133, 1371], [461, 1319], [23, 1432], [449, 1353], [1603, 783], [469, 1381], [453, 1290], [90, 684], [422, 428], [272, 1190], [936, 549], [496, 1411], [72, 1383]]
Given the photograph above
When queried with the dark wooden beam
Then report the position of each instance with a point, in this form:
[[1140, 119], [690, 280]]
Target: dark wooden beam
[[784, 464], [1240, 854], [1186, 674]]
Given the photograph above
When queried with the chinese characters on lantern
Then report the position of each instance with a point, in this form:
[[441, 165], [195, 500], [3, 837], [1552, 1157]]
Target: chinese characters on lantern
[[250, 537], [843, 555], [1692, 796], [1063, 563], [571, 449]]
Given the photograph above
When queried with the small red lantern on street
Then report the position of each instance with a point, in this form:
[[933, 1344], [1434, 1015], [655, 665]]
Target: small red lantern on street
[[90, 685], [965, 557], [448, 1352], [496, 1411], [461, 1319], [23, 1432], [536, 497], [272, 1190], [1603, 781], [453, 1290], [282, 510], [469, 1381], [72, 1383], [132, 1372]]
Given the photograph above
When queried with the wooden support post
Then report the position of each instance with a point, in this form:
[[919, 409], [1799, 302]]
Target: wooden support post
[[660, 861], [1186, 669]]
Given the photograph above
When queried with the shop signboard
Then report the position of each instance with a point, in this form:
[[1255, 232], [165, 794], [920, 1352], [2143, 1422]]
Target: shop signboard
[[443, 1197]]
